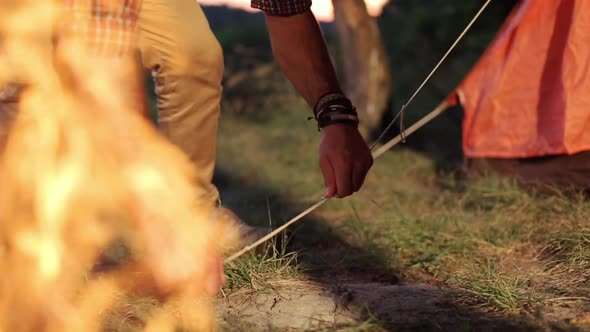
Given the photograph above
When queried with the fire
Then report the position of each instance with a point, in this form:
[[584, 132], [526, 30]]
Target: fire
[[79, 169]]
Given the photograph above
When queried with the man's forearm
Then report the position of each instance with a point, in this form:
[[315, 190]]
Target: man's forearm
[[300, 50]]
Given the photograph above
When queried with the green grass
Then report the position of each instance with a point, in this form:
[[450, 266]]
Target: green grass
[[567, 258], [497, 290], [513, 251], [255, 269], [570, 250]]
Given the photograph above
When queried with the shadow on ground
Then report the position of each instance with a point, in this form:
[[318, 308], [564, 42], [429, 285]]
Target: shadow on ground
[[342, 284]]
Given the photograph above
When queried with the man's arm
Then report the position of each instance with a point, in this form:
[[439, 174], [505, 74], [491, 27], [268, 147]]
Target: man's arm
[[300, 50]]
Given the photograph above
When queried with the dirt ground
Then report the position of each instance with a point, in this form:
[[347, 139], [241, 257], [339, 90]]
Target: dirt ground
[[415, 251], [307, 305]]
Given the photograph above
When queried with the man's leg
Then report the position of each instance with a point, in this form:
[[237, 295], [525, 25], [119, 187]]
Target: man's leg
[[186, 59], [177, 44]]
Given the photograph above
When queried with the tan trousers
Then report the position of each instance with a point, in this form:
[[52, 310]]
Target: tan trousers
[[186, 60]]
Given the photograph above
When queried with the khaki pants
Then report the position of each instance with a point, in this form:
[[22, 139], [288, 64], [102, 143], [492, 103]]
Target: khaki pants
[[186, 60]]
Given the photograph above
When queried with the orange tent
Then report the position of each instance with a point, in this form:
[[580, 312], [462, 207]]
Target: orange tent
[[529, 94]]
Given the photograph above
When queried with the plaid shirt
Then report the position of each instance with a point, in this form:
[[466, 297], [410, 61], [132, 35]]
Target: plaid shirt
[[107, 26], [282, 7]]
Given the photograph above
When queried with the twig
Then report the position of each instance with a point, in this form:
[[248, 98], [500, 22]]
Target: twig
[[276, 231]]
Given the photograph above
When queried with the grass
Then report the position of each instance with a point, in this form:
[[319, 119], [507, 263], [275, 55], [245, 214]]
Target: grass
[[570, 250], [274, 261], [513, 251], [567, 258], [495, 289], [270, 260]]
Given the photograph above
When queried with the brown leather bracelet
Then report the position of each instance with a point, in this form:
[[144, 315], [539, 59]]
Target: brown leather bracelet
[[335, 108]]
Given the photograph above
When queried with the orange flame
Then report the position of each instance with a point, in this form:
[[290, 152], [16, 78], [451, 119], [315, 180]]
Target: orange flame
[[79, 168]]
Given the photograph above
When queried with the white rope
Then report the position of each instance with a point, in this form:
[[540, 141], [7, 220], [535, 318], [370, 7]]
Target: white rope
[[276, 231], [399, 138], [403, 109], [390, 144]]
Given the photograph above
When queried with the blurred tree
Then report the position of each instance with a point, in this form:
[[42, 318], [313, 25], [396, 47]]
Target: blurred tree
[[367, 79]]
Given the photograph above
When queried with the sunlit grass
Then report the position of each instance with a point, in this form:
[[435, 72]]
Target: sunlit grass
[[270, 262]]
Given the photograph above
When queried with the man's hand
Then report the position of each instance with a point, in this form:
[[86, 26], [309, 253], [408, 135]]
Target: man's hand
[[345, 159], [300, 50]]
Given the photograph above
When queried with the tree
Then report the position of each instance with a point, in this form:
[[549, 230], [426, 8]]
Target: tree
[[367, 78]]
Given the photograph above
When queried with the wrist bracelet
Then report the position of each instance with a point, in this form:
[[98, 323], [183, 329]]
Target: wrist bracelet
[[334, 108]]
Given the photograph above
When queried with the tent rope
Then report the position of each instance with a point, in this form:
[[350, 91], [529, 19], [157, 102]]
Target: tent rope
[[384, 148], [443, 59]]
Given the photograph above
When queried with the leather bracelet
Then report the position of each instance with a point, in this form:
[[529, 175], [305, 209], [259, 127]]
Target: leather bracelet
[[331, 99], [336, 114], [334, 108], [338, 118]]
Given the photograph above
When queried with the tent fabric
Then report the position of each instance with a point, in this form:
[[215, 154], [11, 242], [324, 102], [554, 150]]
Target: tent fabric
[[529, 94]]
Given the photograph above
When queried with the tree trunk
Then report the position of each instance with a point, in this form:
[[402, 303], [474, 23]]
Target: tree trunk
[[367, 79]]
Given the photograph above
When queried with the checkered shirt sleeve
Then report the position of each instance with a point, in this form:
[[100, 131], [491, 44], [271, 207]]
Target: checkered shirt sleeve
[[282, 7], [107, 26]]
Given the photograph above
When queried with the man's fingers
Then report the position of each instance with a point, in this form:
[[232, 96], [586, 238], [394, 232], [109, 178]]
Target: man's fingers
[[343, 171], [366, 168], [345, 159], [358, 176], [329, 179]]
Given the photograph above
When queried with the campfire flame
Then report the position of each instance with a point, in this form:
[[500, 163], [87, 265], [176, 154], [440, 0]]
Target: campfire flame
[[80, 167]]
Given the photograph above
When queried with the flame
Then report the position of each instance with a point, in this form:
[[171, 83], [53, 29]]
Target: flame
[[80, 167]]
